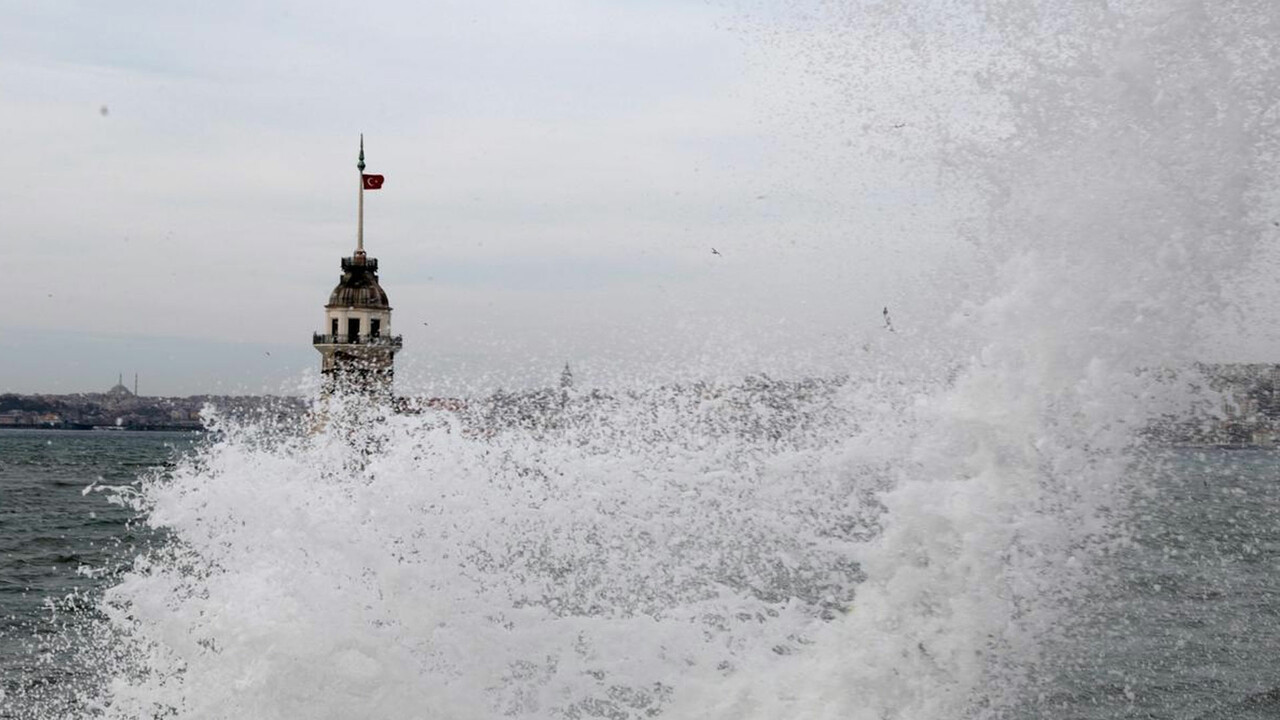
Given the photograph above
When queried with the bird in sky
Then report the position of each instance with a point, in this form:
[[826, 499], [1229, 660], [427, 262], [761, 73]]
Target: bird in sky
[[888, 324], [715, 252]]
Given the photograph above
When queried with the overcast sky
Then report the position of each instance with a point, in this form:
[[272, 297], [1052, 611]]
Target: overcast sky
[[181, 187]]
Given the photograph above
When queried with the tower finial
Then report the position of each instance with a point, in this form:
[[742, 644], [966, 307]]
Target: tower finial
[[359, 253]]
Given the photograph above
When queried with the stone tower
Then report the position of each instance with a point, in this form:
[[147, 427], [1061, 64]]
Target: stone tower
[[356, 346]]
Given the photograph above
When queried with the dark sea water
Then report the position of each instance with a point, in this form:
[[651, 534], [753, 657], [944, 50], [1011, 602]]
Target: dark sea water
[[53, 534], [1182, 622], [1185, 622]]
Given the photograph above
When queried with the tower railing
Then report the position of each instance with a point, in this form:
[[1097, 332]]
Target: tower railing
[[373, 340], [350, 263]]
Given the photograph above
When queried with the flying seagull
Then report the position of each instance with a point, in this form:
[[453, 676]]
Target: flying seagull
[[715, 252], [887, 323]]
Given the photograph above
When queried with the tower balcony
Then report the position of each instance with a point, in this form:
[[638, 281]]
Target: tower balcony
[[353, 262], [389, 341]]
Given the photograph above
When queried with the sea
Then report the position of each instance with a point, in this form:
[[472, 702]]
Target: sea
[[1181, 620], [60, 546]]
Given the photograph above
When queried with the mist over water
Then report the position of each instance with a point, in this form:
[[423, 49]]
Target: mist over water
[[901, 543]]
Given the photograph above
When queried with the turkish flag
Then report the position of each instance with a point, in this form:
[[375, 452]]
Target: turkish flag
[[372, 182]]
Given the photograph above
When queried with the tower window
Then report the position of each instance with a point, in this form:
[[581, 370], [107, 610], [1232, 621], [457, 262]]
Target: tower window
[[353, 329], [333, 327], [375, 327]]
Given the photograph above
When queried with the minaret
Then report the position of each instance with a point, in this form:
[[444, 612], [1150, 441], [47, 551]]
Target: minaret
[[356, 346]]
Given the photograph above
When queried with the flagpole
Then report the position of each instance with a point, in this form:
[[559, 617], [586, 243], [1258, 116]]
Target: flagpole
[[360, 223]]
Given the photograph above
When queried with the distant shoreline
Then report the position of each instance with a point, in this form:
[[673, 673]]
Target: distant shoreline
[[1230, 406], [120, 408], [109, 428]]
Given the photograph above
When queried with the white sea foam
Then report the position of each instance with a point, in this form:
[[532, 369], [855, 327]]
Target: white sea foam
[[1121, 204], [897, 545]]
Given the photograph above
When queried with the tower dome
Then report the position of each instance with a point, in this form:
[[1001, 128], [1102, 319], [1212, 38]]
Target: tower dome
[[358, 287]]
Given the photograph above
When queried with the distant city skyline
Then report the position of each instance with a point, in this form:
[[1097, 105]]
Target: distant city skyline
[[183, 185]]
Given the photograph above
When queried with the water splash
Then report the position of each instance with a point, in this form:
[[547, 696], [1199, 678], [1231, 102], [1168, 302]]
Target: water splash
[[1127, 178]]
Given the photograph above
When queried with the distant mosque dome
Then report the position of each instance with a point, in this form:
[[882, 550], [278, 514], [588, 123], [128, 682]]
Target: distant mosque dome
[[358, 287], [120, 391]]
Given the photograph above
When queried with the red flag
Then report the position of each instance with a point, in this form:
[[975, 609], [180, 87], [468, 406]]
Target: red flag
[[372, 182]]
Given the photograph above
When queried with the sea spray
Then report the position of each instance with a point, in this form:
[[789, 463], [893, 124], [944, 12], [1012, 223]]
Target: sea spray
[[1126, 176], [477, 568]]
